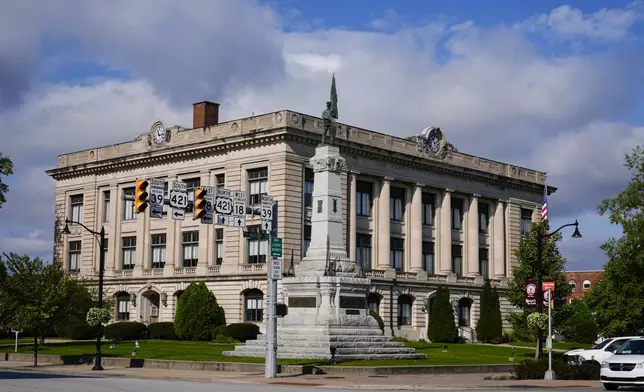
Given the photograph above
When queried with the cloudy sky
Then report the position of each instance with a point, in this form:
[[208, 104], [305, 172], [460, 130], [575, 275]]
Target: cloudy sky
[[554, 86]]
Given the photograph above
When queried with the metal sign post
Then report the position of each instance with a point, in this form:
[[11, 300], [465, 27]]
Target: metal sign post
[[16, 332], [550, 374], [269, 223]]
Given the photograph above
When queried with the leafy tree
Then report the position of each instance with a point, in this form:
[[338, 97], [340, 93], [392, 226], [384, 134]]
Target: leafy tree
[[580, 325], [6, 168], [618, 299], [198, 313], [441, 327], [489, 328]]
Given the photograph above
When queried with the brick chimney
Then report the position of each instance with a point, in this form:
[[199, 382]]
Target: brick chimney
[[205, 114]]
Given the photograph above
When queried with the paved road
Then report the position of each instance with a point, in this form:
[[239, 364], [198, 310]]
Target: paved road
[[12, 381]]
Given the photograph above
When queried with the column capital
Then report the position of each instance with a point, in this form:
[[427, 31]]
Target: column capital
[[476, 195], [449, 190], [419, 185], [353, 172], [387, 179]]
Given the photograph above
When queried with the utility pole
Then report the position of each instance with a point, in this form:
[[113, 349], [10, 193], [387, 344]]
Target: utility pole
[[274, 272]]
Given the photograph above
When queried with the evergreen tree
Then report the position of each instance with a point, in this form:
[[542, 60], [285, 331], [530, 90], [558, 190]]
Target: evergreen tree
[[6, 168], [488, 327], [441, 327], [496, 321], [197, 313]]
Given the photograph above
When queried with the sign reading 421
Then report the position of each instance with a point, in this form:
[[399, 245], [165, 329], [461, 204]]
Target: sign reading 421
[[223, 205]]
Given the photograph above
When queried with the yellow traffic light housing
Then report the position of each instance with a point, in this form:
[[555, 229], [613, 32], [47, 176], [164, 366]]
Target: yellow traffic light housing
[[199, 209], [141, 198]]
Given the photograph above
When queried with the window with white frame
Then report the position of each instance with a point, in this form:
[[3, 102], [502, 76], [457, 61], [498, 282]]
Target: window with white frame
[[106, 206], [397, 204], [364, 198], [484, 217], [76, 202], [220, 180], [397, 253], [429, 208], [586, 285], [257, 248], [308, 187], [129, 207], [158, 248], [190, 245], [404, 310], [428, 257], [457, 213], [219, 246], [484, 262], [363, 251], [128, 249], [74, 255], [257, 184], [106, 249], [254, 306], [306, 239], [457, 260], [192, 184], [123, 307]]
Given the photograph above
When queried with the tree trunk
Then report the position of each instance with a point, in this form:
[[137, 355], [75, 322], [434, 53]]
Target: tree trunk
[[35, 351]]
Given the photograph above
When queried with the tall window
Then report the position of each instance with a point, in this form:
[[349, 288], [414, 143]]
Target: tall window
[[484, 217], [457, 260], [123, 307], [192, 184], [219, 246], [220, 180], [428, 257], [190, 246], [308, 187], [429, 206], [257, 248], [77, 208], [363, 251], [158, 250], [129, 208], [106, 249], [257, 184], [364, 197], [404, 310], [457, 213], [254, 306], [106, 206], [526, 222], [397, 204], [74, 255], [306, 239], [373, 302], [128, 249], [464, 307], [484, 262], [397, 253]]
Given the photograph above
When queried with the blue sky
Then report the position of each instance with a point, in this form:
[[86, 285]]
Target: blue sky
[[551, 85]]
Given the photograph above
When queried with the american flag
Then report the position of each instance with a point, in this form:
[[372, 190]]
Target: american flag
[[544, 207]]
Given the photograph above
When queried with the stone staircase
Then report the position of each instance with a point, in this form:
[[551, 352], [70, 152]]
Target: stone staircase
[[351, 344]]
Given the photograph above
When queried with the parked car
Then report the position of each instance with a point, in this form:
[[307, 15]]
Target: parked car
[[600, 352], [625, 367]]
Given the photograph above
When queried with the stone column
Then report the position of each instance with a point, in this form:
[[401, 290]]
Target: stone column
[[498, 228], [384, 223], [445, 233], [376, 224], [417, 229], [352, 219], [473, 237]]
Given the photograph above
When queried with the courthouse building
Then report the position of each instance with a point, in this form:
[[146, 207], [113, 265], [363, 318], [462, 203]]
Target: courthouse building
[[414, 219]]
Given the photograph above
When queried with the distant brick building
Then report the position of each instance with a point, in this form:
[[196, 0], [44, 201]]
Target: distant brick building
[[582, 282]]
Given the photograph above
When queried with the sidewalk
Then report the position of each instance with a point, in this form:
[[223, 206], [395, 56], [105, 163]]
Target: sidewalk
[[396, 382]]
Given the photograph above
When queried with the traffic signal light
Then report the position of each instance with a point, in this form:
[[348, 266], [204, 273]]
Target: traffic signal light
[[200, 203], [141, 198]]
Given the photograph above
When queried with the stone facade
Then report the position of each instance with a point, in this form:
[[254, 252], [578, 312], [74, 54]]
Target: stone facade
[[582, 282], [412, 219]]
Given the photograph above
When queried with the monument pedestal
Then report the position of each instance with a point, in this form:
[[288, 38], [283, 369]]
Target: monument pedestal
[[327, 298]]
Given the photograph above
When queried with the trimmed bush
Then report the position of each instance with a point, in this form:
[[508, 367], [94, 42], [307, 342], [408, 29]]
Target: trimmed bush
[[163, 330], [535, 370], [489, 328], [375, 315], [217, 332], [198, 313], [78, 330], [126, 330], [580, 325], [441, 327], [241, 331]]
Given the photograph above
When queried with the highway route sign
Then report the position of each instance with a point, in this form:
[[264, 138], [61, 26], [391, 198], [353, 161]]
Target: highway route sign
[[223, 220], [266, 212], [156, 212], [223, 203], [178, 199], [267, 225], [178, 214], [239, 221], [157, 192]]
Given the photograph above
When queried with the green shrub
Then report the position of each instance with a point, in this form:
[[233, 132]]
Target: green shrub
[[441, 327], [162, 330], [579, 325], [78, 330], [217, 331], [535, 370], [381, 323], [241, 331], [126, 330], [489, 326], [198, 313], [224, 339], [400, 339]]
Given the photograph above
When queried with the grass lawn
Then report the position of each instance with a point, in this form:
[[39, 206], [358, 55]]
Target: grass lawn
[[4, 342], [565, 346], [458, 354]]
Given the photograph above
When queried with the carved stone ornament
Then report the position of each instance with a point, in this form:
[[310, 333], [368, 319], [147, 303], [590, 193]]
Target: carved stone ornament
[[330, 163], [432, 141], [159, 135]]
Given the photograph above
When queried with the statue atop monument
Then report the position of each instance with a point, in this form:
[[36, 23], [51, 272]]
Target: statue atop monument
[[330, 114]]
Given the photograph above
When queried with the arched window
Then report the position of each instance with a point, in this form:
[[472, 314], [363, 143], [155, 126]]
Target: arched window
[[586, 284], [573, 284], [254, 306], [123, 307], [404, 310], [464, 310], [373, 302]]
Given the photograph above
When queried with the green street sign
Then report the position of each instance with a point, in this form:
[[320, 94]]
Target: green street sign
[[276, 247]]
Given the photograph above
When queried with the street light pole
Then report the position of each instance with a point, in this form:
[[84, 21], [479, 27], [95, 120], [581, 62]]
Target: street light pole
[[100, 237]]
